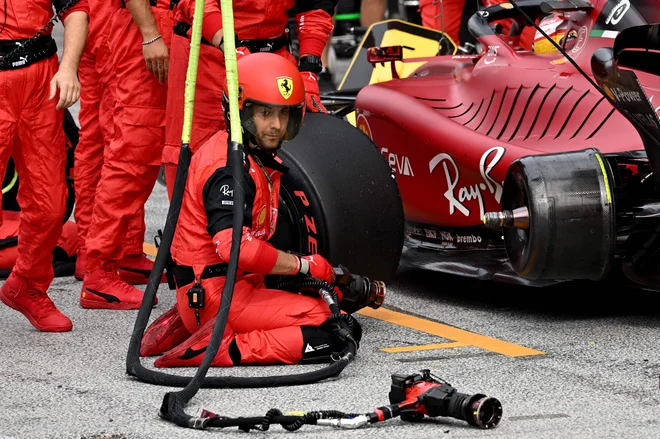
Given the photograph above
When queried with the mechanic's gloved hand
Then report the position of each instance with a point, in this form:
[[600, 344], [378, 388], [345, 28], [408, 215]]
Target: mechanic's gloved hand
[[312, 92], [317, 266]]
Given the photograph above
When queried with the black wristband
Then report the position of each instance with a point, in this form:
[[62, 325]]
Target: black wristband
[[310, 63]]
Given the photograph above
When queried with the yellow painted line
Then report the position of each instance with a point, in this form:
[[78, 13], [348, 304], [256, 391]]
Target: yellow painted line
[[450, 332], [461, 336], [149, 249], [426, 347]]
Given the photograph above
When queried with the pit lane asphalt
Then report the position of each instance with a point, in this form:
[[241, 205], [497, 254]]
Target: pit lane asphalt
[[596, 373]]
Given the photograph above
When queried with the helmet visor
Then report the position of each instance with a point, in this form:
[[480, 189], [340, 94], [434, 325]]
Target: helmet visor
[[253, 110]]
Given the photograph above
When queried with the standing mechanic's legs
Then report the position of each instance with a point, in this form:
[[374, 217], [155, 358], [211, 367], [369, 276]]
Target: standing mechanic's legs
[[133, 255], [40, 156], [133, 183], [131, 164], [97, 130], [89, 152]]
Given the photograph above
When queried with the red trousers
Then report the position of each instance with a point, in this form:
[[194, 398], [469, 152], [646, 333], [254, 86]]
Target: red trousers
[[97, 129], [133, 158], [31, 132], [68, 241], [208, 116], [266, 322]]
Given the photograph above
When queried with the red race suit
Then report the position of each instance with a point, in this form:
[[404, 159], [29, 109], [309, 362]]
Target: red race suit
[[131, 162], [31, 133], [97, 128], [265, 326]]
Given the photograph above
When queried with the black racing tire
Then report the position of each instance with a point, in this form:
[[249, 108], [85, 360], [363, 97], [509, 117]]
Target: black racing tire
[[71, 132], [340, 199], [572, 227]]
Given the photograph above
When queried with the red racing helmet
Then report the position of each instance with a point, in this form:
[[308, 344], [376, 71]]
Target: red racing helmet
[[271, 80]]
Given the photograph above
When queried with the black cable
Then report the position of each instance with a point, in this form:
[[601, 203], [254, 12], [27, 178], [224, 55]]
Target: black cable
[[172, 408], [275, 416]]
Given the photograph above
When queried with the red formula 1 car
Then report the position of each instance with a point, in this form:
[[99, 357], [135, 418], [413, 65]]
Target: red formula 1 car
[[521, 166]]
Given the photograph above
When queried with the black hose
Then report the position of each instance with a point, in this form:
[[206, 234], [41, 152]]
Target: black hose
[[173, 404], [133, 365]]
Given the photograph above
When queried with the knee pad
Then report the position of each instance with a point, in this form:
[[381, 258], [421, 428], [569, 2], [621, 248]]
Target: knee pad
[[321, 344], [317, 344]]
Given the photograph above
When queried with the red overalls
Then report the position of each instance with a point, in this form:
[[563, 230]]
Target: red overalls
[[97, 129], [132, 159], [31, 132], [264, 325]]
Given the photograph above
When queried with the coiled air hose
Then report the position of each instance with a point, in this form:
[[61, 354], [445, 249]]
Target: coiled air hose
[[173, 405]]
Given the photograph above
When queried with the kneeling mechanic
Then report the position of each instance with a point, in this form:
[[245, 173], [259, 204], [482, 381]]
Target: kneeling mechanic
[[265, 325]]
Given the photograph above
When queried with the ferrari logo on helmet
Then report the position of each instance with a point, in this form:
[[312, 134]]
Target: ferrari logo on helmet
[[285, 86]]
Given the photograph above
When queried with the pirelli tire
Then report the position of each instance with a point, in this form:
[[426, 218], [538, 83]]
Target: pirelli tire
[[340, 199], [11, 181], [572, 227]]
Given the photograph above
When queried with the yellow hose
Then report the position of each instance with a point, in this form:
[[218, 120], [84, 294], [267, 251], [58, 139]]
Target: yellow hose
[[231, 68], [229, 46], [11, 184], [191, 74]]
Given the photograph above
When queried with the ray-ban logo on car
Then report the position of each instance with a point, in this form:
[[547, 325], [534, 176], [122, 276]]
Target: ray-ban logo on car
[[617, 13], [459, 195]]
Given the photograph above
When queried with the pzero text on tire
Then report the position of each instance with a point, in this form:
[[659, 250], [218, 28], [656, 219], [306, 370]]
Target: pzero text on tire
[[339, 199]]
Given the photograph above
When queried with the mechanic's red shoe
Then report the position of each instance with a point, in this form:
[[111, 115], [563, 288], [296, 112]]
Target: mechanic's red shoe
[[165, 333], [136, 269], [81, 260], [103, 289], [191, 352], [33, 304]]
